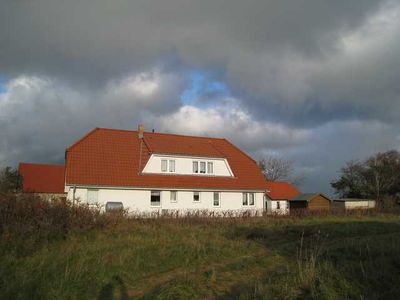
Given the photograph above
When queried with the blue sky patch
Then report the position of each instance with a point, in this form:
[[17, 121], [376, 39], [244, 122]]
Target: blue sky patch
[[3, 82], [203, 89]]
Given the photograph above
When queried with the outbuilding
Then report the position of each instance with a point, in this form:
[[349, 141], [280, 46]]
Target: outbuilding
[[353, 203], [310, 201]]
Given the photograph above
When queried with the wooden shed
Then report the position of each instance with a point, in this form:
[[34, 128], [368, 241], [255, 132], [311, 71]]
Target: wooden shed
[[310, 201]]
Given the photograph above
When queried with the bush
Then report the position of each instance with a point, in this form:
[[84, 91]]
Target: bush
[[27, 221]]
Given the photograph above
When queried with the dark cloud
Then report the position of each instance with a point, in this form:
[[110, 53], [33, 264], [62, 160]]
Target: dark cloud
[[294, 78]]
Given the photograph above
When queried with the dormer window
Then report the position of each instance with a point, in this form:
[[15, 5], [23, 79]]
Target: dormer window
[[164, 165], [195, 167], [202, 167], [172, 165], [210, 168]]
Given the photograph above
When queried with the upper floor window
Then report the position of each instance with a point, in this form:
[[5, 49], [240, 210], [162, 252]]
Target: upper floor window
[[164, 165], [210, 167], [167, 165], [92, 196], [203, 167], [172, 165], [195, 167]]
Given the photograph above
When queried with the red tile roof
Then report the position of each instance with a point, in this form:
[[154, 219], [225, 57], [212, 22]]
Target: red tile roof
[[281, 190], [42, 178], [110, 157]]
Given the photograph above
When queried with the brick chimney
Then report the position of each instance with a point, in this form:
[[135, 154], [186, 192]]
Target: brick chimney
[[140, 131]]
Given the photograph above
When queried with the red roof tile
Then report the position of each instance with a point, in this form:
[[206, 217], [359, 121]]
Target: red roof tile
[[281, 190], [41, 178], [110, 157]]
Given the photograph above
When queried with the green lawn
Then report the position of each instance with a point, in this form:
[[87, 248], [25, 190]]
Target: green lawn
[[334, 257]]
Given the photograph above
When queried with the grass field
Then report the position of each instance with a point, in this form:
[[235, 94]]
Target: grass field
[[330, 257]]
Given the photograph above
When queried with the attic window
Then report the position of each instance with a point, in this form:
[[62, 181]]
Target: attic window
[[172, 165], [164, 165], [203, 167], [210, 167], [195, 167]]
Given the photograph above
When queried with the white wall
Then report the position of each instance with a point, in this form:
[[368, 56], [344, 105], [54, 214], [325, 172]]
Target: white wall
[[183, 165], [359, 204], [138, 201], [272, 207]]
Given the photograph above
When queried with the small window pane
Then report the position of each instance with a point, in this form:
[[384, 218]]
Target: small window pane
[[164, 165], [173, 196], [203, 167], [251, 198], [216, 199], [245, 202], [196, 196], [172, 165], [210, 169], [155, 199], [195, 167], [92, 196], [278, 205]]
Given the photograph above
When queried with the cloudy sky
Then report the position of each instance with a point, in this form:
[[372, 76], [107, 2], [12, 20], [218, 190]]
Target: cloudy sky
[[316, 82]]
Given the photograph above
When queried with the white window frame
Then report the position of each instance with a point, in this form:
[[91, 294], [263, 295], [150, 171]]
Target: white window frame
[[219, 199], [164, 165], [203, 167], [196, 201], [176, 196], [252, 197], [247, 197], [151, 194], [96, 191], [171, 167], [195, 166], [210, 170]]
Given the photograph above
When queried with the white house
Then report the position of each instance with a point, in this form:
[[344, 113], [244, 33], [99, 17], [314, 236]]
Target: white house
[[148, 172], [278, 195]]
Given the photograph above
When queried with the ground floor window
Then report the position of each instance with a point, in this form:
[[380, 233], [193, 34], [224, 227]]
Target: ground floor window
[[248, 199], [92, 196], [216, 199], [155, 199], [114, 206], [196, 196], [173, 196], [278, 205]]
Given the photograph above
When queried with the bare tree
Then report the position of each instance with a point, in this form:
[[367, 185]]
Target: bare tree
[[275, 168]]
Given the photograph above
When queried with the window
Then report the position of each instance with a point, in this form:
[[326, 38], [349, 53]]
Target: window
[[278, 205], [251, 198], [92, 196], [216, 199], [248, 199], [245, 201], [195, 167], [164, 165], [172, 165], [203, 167], [114, 206], [155, 199], [210, 168], [172, 196], [196, 196]]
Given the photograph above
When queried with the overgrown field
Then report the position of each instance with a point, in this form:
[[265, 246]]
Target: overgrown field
[[61, 252]]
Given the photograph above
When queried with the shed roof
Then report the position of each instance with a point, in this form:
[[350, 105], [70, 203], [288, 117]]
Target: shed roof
[[42, 178]]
